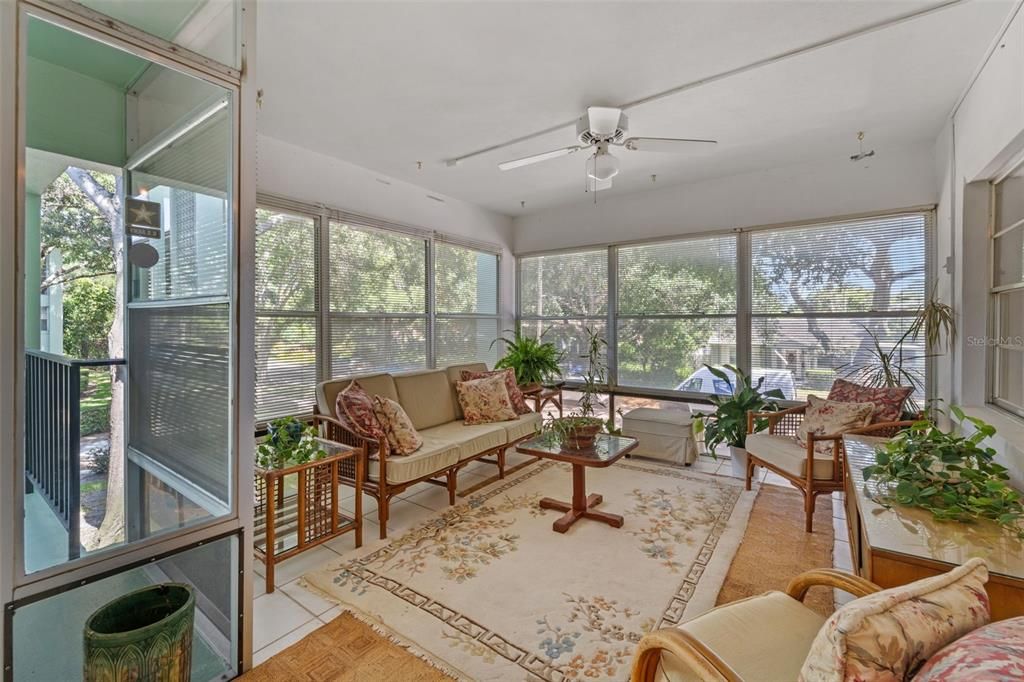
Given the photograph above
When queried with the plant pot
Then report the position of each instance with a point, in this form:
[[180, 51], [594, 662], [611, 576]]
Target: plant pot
[[581, 437], [738, 462], [143, 635]]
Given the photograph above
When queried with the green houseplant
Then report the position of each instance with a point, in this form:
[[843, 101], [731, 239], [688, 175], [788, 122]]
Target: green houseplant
[[728, 423], [534, 360], [897, 365], [953, 476], [289, 442], [577, 430]]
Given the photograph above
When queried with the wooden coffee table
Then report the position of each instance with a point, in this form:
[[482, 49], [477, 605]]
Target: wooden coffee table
[[606, 451]]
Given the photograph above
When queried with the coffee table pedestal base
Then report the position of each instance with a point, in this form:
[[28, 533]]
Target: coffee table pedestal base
[[582, 506]]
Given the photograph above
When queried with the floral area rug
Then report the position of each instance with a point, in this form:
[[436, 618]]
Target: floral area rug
[[487, 591]]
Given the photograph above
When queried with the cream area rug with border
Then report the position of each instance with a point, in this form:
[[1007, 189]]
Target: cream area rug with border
[[485, 590]]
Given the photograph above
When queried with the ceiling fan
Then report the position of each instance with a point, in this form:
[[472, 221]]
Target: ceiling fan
[[600, 129]]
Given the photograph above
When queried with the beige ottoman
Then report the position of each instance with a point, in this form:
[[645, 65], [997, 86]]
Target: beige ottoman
[[663, 434]]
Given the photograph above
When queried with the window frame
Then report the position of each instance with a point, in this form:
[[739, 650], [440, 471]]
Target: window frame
[[323, 218], [744, 295], [997, 292]]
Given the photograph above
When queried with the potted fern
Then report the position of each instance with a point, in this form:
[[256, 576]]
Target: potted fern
[[534, 360], [728, 424]]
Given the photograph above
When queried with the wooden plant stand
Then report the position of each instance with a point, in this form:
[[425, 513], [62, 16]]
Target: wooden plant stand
[[297, 508]]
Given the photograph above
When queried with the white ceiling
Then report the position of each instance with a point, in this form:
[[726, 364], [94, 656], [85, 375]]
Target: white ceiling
[[386, 84]]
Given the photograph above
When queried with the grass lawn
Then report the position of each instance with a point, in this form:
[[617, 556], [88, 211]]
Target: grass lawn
[[95, 401]]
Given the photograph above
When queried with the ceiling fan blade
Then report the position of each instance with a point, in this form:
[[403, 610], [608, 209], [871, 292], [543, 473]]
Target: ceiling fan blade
[[603, 120], [662, 144], [537, 158]]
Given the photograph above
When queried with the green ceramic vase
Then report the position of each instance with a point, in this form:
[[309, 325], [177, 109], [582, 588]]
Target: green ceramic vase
[[143, 636]]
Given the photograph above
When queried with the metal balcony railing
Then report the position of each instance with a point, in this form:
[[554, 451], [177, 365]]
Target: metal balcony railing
[[53, 432]]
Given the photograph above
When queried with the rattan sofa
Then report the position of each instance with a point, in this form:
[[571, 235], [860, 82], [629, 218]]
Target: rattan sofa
[[429, 398]]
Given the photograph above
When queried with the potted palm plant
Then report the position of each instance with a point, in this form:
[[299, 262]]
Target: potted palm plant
[[534, 360], [728, 423]]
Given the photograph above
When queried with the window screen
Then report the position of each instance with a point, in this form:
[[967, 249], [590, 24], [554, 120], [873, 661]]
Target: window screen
[[286, 314], [378, 300], [1007, 357], [466, 308], [676, 310], [560, 296], [823, 294]]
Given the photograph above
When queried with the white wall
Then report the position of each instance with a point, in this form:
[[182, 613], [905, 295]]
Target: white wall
[[296, 173], [895, 178], [984, 133]]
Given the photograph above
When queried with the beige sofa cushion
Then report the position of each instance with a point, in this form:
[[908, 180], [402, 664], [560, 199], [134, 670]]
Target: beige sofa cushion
[[374, 384], [525, 425], [472, 439], [454, 373], [433, 456], [762, 638], [426, 397], [788, 455]]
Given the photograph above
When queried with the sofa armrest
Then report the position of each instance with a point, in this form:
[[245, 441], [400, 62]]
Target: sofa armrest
[[704, 662], [332, 429], [829, 577]]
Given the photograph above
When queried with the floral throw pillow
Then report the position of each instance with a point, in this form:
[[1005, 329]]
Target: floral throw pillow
[[514, 394], [888, 401], [825, 417], [354, 408], [398, 429], [994, 653], [888, 636], [485, 400]]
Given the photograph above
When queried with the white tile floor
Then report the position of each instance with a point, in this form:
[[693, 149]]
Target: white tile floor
[[291, 612]]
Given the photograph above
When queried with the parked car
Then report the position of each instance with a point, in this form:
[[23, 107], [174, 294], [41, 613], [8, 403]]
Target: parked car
[[703, 381]]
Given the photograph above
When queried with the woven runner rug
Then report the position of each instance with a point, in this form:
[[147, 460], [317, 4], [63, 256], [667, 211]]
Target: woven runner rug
[[485, 589]]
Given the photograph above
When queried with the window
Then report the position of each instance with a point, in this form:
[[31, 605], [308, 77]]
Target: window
[[466, 291], [336, 296], [378, 300], [1008, 293], [560, 295], [798, 305], [286, 313], [822, 294], [676, 310]]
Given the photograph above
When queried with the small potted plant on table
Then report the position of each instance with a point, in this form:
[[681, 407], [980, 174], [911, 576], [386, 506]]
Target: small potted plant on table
[[728, 423]]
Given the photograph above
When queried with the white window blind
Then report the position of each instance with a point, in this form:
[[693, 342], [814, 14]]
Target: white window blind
[[1007, 356], [676, 310], [286, 314], [560, 296], [820, 292], [466, 305], [378, 300]]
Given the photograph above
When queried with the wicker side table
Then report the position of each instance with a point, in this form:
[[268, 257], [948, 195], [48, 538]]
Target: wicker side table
[[297, 508]]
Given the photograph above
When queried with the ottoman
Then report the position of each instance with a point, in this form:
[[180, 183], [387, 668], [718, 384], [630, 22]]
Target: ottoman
[[663, 434]]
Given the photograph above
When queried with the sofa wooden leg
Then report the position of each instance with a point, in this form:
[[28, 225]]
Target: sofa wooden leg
[[750, 472], [453, 479], [501, 463], [809, 511], [382, 516]]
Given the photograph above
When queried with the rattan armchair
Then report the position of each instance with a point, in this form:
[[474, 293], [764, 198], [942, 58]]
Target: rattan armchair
[[811, 475], [744, 640]]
